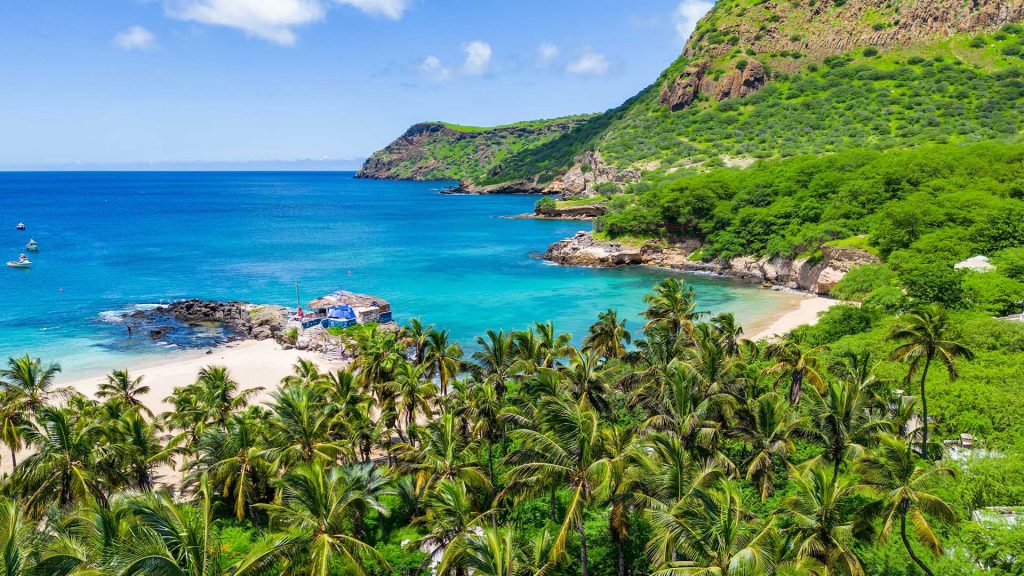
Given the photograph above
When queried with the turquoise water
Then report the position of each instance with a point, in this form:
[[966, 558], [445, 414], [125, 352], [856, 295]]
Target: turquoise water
[[109, 241]]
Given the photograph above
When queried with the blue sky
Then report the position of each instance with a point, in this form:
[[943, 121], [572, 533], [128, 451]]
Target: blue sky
[[108, 82]]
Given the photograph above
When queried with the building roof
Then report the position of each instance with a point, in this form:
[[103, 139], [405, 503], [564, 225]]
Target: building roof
[[976, 263], [342, 297]]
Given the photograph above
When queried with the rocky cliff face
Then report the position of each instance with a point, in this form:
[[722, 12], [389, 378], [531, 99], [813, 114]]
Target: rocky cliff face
[[727, 54], [438, 151], [818, 277]]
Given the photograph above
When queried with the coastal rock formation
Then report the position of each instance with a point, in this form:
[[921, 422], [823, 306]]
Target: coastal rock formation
[[813, 30], [439, 151], [571, 212], [241, 319], [819, 277], [587, 173]]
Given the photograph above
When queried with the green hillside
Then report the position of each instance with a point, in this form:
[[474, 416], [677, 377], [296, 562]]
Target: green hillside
[[860, 73]]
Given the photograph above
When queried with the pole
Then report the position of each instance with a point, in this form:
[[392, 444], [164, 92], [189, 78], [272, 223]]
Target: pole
[[297, 304]]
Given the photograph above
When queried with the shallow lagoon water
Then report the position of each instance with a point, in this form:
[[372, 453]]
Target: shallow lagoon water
[[111, 241]]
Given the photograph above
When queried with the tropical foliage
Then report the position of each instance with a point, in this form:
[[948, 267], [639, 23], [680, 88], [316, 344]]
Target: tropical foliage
[[689, 451]]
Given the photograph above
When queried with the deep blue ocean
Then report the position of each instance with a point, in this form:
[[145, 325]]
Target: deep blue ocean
[[112, 241]]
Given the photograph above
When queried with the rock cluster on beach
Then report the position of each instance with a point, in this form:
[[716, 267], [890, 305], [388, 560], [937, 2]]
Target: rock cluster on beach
[[818, 276]]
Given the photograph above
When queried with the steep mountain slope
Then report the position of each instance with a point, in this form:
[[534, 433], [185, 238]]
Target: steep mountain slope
[[761, 79]]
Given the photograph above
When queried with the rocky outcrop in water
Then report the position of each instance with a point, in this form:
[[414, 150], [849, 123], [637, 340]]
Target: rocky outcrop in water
[[241, 320], [819, 276]]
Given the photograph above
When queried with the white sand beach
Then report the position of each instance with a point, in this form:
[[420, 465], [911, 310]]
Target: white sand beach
[[252, 363], [807, 311]]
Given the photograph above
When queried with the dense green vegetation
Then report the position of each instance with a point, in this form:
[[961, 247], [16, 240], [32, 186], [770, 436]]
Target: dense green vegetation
[[922, 210], [690, 451]]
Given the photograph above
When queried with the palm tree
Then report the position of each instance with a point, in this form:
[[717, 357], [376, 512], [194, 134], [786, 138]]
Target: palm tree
[[63, 468], [924, 337], [413, 393], [379, 354], [585, 377], [304, 373], [175, 539], [799, 364], [443, 358], [608, 336], [299, 427], [495, 359], [30, 379], [233, 461], [317, 506], [842, 421], [567, 449], [896, 476], [619, 490], [672, 307], [823, 530], [15, 540], [769, 426], [443, 454], [451, 515], [13, 419], [492, 552], [220, 395], [415, 336], [123, 388], [715, 532], [552, 344], [138, 449]]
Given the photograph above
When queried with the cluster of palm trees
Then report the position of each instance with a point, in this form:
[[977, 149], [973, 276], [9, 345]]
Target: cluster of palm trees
[[713, 454]]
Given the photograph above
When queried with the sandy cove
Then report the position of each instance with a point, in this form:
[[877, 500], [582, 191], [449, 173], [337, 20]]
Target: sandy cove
[[253, 364], [263, 363], [807, 311]]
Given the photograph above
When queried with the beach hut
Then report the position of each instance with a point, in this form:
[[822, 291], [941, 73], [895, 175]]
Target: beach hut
[[343, 307]]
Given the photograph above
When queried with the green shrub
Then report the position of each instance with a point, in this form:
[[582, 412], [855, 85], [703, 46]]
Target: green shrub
[[861, 281], [870, 52], [546, 205]]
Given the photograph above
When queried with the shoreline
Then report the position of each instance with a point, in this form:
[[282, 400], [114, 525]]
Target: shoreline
[[252, 363], [807, 311]]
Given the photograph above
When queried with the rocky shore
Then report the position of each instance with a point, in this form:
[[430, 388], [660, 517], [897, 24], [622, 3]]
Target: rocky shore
[[819, 276], [238, 321]]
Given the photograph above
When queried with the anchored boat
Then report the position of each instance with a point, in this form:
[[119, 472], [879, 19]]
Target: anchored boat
[[21, 225], [32, 246], [21, 262]]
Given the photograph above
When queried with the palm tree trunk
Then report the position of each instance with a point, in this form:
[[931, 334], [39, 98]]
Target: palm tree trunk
[[14, 459], [795, 388], [553, 504], [583, 549], [620, 549], [906, 544], [924, 409], [490, 461]]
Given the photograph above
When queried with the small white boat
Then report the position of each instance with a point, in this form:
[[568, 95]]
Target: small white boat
[[21, 225], [21, 262], [32, 246]]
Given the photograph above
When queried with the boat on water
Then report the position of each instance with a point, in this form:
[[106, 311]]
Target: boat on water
[[21, 262], [21, 225], [32, 246]]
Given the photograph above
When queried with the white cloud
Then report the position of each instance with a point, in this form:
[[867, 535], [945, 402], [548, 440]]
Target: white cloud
[[272, 20], [547, 51], [433, 68], [393, 9], [590, 64], [478, 56], [687, 14], [135, 38]]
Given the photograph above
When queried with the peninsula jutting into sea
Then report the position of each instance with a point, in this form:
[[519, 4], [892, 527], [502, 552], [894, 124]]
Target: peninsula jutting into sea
[[765, 317]]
